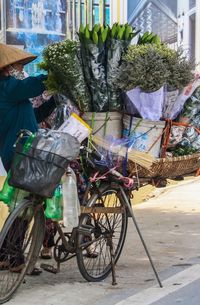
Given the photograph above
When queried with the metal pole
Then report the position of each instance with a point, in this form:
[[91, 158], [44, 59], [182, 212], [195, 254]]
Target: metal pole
[[140, 235]]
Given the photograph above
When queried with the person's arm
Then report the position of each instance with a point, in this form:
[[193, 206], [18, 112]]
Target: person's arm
[[19, 90], [44, 110]]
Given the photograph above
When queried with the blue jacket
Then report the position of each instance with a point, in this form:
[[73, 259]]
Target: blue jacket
[[16, 111]]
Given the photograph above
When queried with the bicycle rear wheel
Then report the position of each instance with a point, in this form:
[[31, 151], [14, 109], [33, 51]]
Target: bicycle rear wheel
[[19, 240], [93, 252]]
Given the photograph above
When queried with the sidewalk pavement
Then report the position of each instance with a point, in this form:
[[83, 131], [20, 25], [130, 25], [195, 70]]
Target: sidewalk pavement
[[170, 224]]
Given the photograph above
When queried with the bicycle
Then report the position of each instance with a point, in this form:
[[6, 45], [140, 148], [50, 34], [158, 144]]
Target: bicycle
[[97, 242]]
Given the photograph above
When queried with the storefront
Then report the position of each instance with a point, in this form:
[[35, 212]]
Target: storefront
[[86, 12], [94, 11], [33, 24]]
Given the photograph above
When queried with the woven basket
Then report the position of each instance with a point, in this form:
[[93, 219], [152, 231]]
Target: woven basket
[[168, 167]]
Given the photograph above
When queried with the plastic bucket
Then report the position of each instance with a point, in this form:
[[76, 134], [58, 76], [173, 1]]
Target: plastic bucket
[[104, 123], [144, 135]]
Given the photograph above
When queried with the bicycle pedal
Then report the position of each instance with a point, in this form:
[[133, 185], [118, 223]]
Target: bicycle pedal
[[49, 268]]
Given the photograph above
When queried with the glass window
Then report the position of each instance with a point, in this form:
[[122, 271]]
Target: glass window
[[95, 11], [77, 14], [107, 15], [107, 12], [192, 4], [83, 21]]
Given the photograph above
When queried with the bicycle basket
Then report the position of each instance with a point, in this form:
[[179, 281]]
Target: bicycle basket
[[39, 170]]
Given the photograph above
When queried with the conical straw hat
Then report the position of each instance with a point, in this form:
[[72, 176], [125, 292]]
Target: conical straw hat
[[10, 55]]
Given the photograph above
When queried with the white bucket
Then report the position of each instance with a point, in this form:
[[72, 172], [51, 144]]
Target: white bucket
[[104, 123], [145, 135]]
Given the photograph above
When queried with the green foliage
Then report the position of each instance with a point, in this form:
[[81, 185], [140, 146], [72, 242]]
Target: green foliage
[[100, 34], [148, 37], [150, 66], [184, 150], [102, 48], [65, 75], [85, 71], [95, 37], [181, 70], [104, 34], [143, 66]]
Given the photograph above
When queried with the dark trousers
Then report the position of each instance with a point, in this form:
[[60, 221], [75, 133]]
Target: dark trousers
[[11, 249]]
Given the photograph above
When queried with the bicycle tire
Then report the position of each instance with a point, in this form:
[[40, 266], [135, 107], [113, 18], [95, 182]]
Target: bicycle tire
[[84, 267], [26, 216]]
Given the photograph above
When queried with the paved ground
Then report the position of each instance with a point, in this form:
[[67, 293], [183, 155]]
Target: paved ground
[[170, 224]]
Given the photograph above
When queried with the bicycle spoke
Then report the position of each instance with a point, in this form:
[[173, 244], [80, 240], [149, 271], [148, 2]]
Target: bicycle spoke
[[18, 244], [108, 226]]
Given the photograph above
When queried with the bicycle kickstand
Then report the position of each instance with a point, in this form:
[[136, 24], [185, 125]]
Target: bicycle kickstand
[[141, 237], [112, 256]]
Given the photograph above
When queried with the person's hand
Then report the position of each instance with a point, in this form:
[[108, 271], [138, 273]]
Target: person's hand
[[46, 96]]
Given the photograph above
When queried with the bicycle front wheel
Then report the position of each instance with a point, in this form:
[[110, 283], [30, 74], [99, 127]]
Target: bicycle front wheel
[[93, 251], [18, 245]]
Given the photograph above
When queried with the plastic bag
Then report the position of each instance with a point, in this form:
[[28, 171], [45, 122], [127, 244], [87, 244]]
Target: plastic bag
[[191, 107], [176, 135], [169, 101], [39, 170], [196, 121], [182, 98], [191, 138]]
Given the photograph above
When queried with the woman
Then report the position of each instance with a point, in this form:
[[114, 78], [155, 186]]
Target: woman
[[17, 112]]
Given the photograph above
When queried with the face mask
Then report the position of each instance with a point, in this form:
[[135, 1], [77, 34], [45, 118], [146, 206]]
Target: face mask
[[15, 73]]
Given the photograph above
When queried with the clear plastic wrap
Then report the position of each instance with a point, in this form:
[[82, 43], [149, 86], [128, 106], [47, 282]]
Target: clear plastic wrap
[[94, 59], [116, 152], [192, 106], [116, 48]]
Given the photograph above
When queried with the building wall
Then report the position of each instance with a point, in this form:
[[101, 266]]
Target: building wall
[[158, 16], [131, 6], [188, 27], [197, 37]]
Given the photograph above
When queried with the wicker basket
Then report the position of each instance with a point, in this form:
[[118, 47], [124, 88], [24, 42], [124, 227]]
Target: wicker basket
[[168, 167]]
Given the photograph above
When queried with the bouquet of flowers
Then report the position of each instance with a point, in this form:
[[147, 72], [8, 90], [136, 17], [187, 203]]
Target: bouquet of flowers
[[85, 71], [65, 74]]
